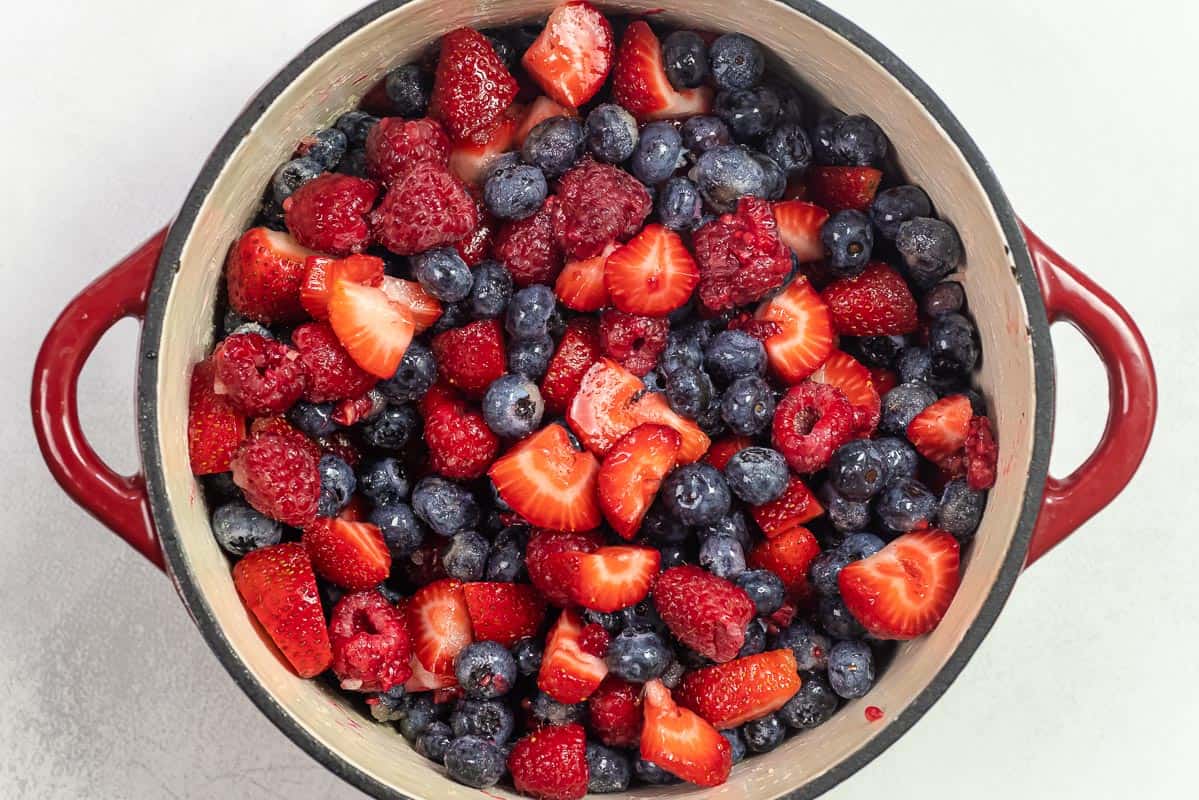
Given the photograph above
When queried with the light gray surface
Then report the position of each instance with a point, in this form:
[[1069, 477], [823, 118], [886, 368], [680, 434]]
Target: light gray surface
[[1081, 688]]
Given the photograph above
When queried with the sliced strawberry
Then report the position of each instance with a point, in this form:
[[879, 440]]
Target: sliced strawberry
[[576, 353], [639, 81], [471, 86], [374, 329], [552, 575], [549, 483], [321, 272], [743, 689], [795, 506], [349, 554], [612, 578], [263, 275], [939, 432], [807, 331], [876, 303], [539, 111], [841, 188], [799, 228], [469, 158], [614, 711], [214, 427], [571, 58], [843, 371], [423, 681], [439, 623], [568, 674], [631, 473], [503, 612], [423, 308], [903, 590], [725, 448], [580, 285], [682, 742], [653, 274], [278, 586], [788, 555]]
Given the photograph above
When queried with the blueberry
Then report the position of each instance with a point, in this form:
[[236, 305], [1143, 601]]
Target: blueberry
[[914, 365], [732, 354], [747, 406], [314, 419], [417, 713], [858, 141], [895, 206], [413, 377], [444, 506], [696, 494], [353, 163], [512, 407], [848, 239], [947, 297], [757, 475], [408, 88], [443, 274], [899, 457], [755, 639], [643, 615], [836, 620], [490, 290], [825, 569], [402, 531], [902, 404], [337, 485], [325, 146], [515, 192], [679, 204], [813, 705], [821, 136], [764, 588], [612, 622], [485, 670], [356, 125], [730, 525], [749, 113], [530, 312], [774, 183], [547, 709], [876, 351], [690, 392], [240, 529], [530, 357], [390, 706], [611, 133], [505, 49], [788, 145], [637, 655], [527, 653], [726, 173], [861, 545], [905, 505], [857, 469], [673, 675], [736, 744], [661, 528], [433, 743], [737, 61], [809, 645], [764, 734], [608, 769], [961, 509], [952, 345], [844, 514], [791, 105], [465, 557], [292, 175], [685, 56], [851, 669], [473, 761], [651, 773], [507, 560], [554, 145], [220, 487], [393, 428], [723, 556], [684, 348], [501, 162], [487, 719], [930, 248], [658, 154], [702, 133]]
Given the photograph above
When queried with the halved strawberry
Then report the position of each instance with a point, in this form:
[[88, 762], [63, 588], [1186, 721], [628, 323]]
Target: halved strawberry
[[743, 689], [540, 110], [876, 303], [612, 578], [788, 555], [263, 274], [799, 226], [639, 81], [568, 674], [631, 473], [321, 272], [422, 307], [571, 58], [549, 483], [214, 427], [471, 86], [552, 575], [278, 586], [503, 612], [374, 329], [839, 188], [807, 331], [576, 353], [939, 432], [652, 274], [903, 590], [349, 554], [725, 448], [469, 158], [580, 285], [422, 680], [682, 742], [795, 506], [843, 371], [439, 623]]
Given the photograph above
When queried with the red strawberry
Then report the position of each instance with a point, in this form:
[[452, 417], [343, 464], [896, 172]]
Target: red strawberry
[[571, 58], [548, 572], [639, 81], [328, 213], [839, 188], [471, 357], [807, 331], [788, 555], [503, 612], [903, 590], [853, 379], [422, 307], [799, 228], [469, 159], [568, 674], [725, 448], [214, 427], [549, 483], [614, 711], [349, 554], [321, 272], [653, 274], [471, 86], [876, 303], [374, 330], [580, 285], [439, 624], [594, 640], [631, 473], [551, 763], [577, 352], [982, 455], [277, 584], [426, 208], [357, 510], [612, 578], [423, 681], [795, 506], [277, 473], [539, 111], [704, 612], [263, 275], [371, 649], [810, 423], [728, 695], [395, 146], [682, 742], [329, 372], [461, 446], [478, 245], [939, 432]]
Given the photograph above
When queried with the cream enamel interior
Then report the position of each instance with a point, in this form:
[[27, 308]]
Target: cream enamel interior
[[830, 66]]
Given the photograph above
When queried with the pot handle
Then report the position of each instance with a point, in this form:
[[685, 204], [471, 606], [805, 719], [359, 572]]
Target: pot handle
[[1071, 296], [119, 501]]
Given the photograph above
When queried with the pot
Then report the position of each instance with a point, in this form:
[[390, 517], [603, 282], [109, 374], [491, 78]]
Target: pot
[[1018, 287]]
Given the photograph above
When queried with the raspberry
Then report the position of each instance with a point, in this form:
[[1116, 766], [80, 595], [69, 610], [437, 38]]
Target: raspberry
[[577, 352], [371, 649], [634, 341], [810, 422], [551, 763], [329, 372], [259, 375], [426, 208], [704, 612], [528, 247], [461, 446], [760, 329], [339, 444], [396, 145], [278, 476], [478, 245], [594, 640], [598, 203], [281, 427], [982, 454], [740, 256], [615, 712], [329, 213], [471, 357]]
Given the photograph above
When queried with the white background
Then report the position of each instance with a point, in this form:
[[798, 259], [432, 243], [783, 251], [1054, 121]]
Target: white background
[[1088, 112]]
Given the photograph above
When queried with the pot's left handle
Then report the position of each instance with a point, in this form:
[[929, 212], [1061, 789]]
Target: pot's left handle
[[119, 501]]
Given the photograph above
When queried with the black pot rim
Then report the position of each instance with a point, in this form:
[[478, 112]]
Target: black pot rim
[[147, 403]]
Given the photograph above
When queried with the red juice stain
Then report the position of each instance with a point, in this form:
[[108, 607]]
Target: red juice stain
[[873, 713]]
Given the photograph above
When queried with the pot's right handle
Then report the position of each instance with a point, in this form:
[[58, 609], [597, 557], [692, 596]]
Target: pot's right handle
[[1071, 296]]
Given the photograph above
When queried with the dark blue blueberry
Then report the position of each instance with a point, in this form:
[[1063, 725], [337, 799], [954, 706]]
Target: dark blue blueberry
[[325, 146], [413, 377], [485, 670], [402, 531], [764, 588], [637, 655], [490, 291], [515, 192], [859, 142], [393, 428], [417, 713], [684, 348], [736, 743], [821, 136], [851, 669], [643, 615], [314, 419], [726, 173], [732, 354], [690, 392], [747, 406], [353, 163], [292, 176], [952, 345], [658, 154], [507, 560], [755, 639], [390, 706], [547, 709], [764, 734], [685, 56], [722, 556], [337, 485], [679, 204], [501, 162], [757, 475], [443, 274], [531, 357], [737, 61], [845, 514], [611, 133], [611, 622], [857, 470], [825, 569], [384, 481], [895, 206], [749, 113], [899, 457], [696, 494], [527, 653], [530, 312], [930, 248], [465, 557], [848, 239], [651, 773], [474, 761], [791, 106], [444, 506], [554, 145], [813, 705], [220, 487], [947, 297], [861, 545], [673, 675], [961, 509], [240, 529], [789, 147], [875, 351], [905, 505], [356, 125], [433, 743], [512, 407], [809, 645], [914, 365], [732, 524], [902, 404], [408, 88], [661, 527], [702, 133], [608, 769], [487, 719], [505, 49], [836, 620], [453, 315], [774, 180]]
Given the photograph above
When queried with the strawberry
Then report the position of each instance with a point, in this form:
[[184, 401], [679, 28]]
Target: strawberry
[[639, 81], [479, 243], [278, 586], [263, 276], [594, 640], [725, 448], [423, 681], [853, 379], [469, 159], [884, 380], [571, 58], [612, 578], [653, 274], [577, 352], [214, 427], [614, 711], [548, 572], [551, 763], [471, 357], [631, 473], [503, 612], [795, 506], [422, 307], [539, 111], [903, 590], [321, 272], [461, 446], [840, 188], [682, 742], [799, 227], [439, 623], [374, 330], [939, 432], [568, 674], [807, 331], [982, 454], [728, 695], [788, 555], [471, 86], [328, 213], [349, 554], [549, 483], [876, 303], [580, 285], [707, 613]]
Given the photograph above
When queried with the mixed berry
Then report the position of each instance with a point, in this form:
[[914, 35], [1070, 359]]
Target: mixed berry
[[594, 409]]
